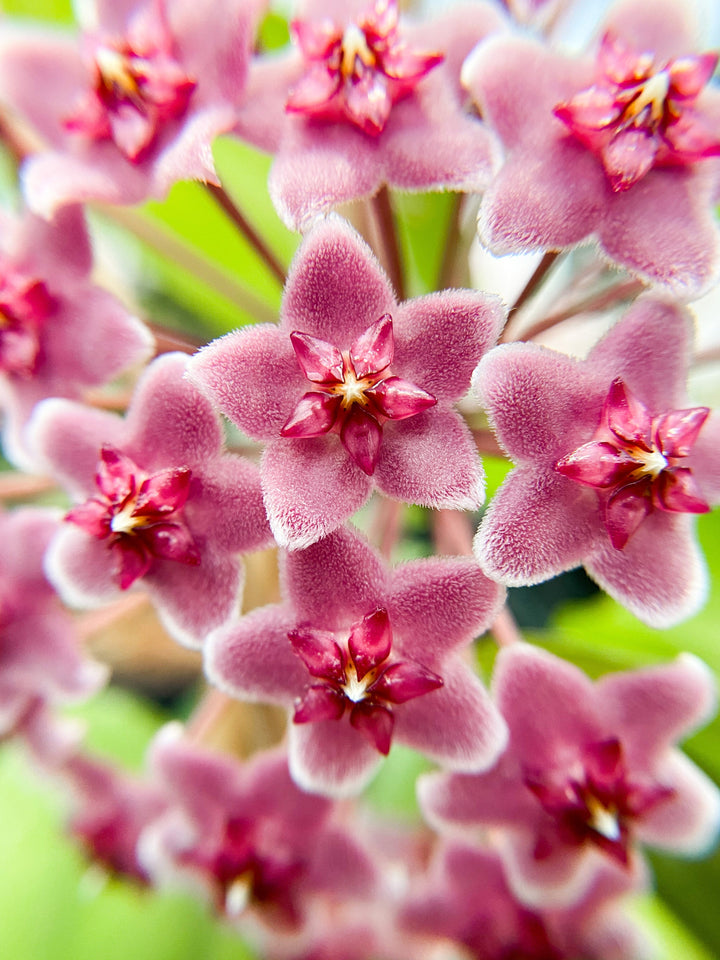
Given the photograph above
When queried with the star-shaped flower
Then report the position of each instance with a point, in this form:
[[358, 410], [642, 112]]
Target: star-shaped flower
[[621, 147], [59, 333], [384, 377], [386, 648], [598, 776], [612, 463], [133, 105], [368, 100], [158, 502]]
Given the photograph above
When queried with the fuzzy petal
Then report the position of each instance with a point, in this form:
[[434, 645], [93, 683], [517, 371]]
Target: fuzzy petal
[[330, 757]]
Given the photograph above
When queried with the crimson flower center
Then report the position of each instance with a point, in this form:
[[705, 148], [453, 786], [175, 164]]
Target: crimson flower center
[[25, 305]]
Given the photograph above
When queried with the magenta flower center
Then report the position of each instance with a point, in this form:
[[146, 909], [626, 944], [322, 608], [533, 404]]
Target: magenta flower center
[[354, 392], [639, 114], [25, 305], [135, 90], [359, 675], [597, 803], [638, 463], [356, 72], [139, 515]]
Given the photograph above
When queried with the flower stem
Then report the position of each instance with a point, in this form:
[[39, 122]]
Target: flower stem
[[617, 293], [530, 289], [387, 525], [504, 629], [229, 207], [452, 533], [454, 267], [386, 240], [17, 486]]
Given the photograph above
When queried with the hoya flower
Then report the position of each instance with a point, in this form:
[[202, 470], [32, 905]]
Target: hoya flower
[[353, 390], [362, 657], [133, 104], [41, 661], [245, 836], [612, 464], [59, 333], [157, 501], [619, 146], [597, 777], [365, 100], [496, 926]]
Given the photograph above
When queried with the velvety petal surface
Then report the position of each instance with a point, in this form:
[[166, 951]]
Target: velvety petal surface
[[330, 757]]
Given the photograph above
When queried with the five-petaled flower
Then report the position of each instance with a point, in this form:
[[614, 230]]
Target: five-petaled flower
[[385, 377], [388, 649], [590, 772], [617, 422]]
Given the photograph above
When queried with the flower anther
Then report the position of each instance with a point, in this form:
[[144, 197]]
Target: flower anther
[[637, 462], [639, 114], [139, 514], [357, 71], [359, 674], [135, 89], [25, 305], [355, 392], [596, 802]]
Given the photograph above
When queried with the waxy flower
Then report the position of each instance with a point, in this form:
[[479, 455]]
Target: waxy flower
[[386, 647], [353, 390], [158, 502], [132, 106], [41, 661], [596, 777], [496, 926], [620, 148], [365, 101], [245, 836], [612, 464], [59, 334]]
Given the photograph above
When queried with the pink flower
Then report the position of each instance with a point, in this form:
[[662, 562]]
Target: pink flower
[[59, 334], [158, 501], [353, 390], [134, 105], [386, 648], [367, 101], [620, 148], [598, 776], [41, 660], [496, 926], [612, 464], [246, 836]]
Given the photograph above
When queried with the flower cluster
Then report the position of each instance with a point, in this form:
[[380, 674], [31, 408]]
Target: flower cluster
[[256, 495]]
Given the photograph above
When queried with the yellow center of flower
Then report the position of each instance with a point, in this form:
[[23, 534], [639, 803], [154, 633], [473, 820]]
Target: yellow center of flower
[[238, 894], [652, 94], [650, 463], [354, 689], [125, 522], [117, 74], [603, 820], [354, 45], [352, 389]]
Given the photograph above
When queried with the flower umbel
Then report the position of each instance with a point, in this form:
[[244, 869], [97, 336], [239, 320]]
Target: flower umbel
[[637, 460], [357, 392], [638, 114], [358, 71], [139, 514], [363, 677]]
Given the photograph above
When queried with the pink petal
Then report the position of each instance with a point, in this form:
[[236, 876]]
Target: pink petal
[[172, 541], [375, 723], [368, 103], [132, 561], [164, 492], [313, 416], [626, 416], [596, 464], [374, 349], [399, 399], [370, 642], [692, 137], [404, 64], [431, 459], [593, 108], [319, 652], [330, 758], [628, 157], [311, 487], [92, 517], [116, 474], [357, 585], [361, 435], [320, 702], [689, 74], [81, 568], [321, 362], [677, 431], [659, 575], [315, 37], [405, 681]]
